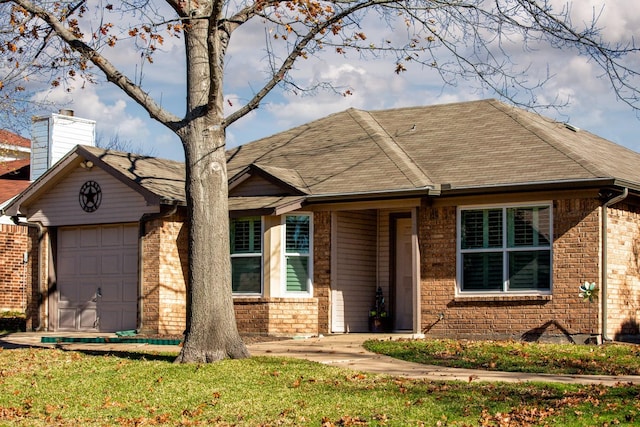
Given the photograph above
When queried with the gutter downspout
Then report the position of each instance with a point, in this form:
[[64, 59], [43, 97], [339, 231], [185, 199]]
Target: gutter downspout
[[41, 299], [143, 220], [603, 296]]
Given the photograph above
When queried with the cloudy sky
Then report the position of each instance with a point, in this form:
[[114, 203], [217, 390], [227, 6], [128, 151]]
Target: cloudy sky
[[591, 103]]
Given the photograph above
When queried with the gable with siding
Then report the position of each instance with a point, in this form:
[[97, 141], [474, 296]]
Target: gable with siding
[[61, 204]]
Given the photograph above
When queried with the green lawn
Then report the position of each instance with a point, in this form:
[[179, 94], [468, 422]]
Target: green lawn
[[51, 387], [516, 356]]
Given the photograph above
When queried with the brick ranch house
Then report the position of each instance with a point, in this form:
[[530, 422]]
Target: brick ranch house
[[475, 220]]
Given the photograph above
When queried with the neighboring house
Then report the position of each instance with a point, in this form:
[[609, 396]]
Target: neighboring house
[[475, 220], [14, 164], [20, 163], [15, 242]]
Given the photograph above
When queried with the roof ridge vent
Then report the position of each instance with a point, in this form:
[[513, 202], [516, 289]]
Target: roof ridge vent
[[572, 127]]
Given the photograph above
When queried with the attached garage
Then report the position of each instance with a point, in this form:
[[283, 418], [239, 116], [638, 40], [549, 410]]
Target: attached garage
[[97, 278], [92, 218]]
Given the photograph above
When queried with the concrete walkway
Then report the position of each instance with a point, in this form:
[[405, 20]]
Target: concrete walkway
[[344, 350]]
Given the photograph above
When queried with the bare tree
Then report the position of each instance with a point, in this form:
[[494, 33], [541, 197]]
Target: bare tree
[[461, 39], [116, 142]]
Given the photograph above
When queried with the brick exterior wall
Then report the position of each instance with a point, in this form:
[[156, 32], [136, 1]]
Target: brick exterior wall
[[165, 272], [164, 276], [575, 257], [277, 316], [17, 278], [322, 268], [623, 280], [14, 273]]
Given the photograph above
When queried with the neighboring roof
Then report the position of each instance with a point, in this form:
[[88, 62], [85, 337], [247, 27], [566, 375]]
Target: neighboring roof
[[14, 178], [10, 188], [9, 138], [13, 167], [468, 145]]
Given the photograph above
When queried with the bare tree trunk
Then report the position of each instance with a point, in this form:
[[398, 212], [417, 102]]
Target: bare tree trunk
[[212, 333]]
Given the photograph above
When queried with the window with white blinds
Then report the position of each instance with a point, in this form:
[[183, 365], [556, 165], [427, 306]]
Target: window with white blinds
[[297, 253], [246, 255], [505, 249]]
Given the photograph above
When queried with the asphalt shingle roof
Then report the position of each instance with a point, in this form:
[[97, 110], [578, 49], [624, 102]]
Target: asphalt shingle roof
[[466, 145], [162, 177], [471, 144]]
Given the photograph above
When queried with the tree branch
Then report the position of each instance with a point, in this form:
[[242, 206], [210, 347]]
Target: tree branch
[[111, 72], [295, 53]]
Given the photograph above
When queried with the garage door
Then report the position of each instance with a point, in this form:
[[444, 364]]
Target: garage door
[[97, 278]]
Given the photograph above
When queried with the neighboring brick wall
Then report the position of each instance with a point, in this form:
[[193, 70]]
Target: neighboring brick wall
[[18, 280], [623, 280], [15, 274], [293, 316], [576, 257], [252, 315], [322, 268]]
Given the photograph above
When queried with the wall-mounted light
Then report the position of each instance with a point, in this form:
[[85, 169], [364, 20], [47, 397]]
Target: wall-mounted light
[[87, 164]]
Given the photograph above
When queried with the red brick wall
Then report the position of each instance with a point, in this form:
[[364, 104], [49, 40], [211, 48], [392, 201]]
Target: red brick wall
[[575, 258], [623, 261], [17, 278]]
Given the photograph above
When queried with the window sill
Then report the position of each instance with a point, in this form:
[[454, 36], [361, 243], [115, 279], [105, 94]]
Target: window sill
[[503, 297]]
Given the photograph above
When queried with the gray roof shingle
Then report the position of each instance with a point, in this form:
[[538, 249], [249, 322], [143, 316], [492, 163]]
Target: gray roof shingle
[[468, 145]]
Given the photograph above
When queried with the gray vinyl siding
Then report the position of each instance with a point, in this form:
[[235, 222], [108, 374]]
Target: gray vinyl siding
[[256, 186], [355, 286], [61, 206], [384, 267]]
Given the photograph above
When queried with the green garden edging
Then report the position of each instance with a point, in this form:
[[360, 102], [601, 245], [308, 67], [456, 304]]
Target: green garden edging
[[109, 340]]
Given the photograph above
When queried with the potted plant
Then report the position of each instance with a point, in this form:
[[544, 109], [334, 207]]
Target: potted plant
[[378, 316]]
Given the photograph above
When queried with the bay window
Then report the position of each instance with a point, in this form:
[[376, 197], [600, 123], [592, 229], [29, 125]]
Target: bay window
[[504, 249]]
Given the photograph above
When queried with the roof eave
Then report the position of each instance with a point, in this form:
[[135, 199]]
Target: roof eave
[[431, 190], [539, 186]]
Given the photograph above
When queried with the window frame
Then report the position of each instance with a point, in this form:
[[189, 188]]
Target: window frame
[[504, 249], [248, 255], [284, 254]]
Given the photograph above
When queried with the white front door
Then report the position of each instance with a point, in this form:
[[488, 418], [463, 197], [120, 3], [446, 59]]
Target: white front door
[[403, 281]]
